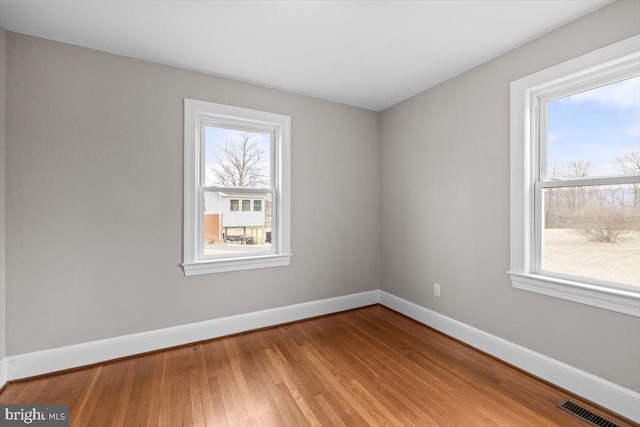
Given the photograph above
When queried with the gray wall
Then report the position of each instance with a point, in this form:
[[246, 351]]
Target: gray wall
[[3, 56], [445, 211], [94, 198]]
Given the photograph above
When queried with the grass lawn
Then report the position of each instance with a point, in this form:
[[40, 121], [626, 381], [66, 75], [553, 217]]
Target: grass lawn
[[567, 252]]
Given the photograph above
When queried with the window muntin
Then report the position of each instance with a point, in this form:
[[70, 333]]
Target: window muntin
[[222, 232], [533, 183]]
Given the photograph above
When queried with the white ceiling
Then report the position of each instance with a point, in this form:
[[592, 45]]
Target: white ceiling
[[370, 54]]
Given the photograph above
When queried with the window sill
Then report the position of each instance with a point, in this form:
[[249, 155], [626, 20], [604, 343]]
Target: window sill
[[235, 264], [597, 296]]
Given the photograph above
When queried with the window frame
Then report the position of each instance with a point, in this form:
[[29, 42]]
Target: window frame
[[197, 114], [528, 142]]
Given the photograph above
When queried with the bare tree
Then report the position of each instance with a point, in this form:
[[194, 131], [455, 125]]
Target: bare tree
[[577, 169], [629, 164], [239, 163]]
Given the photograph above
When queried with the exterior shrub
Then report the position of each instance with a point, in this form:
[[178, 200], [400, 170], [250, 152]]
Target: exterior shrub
[[606, 224]]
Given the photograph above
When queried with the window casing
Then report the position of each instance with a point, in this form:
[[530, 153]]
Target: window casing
[[531, 177], [207, 246]]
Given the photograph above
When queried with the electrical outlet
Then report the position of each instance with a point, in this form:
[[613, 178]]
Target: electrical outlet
[[436, 289]]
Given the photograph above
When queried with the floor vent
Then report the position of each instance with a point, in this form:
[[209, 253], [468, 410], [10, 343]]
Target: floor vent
[[585, 414]]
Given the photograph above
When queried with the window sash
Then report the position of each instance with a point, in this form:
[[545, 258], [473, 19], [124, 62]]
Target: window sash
[[560, 90], [582, 182], [539, 227], [239, 192], [202, 123]]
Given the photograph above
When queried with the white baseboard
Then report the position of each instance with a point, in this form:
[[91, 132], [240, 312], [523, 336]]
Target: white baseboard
[[58, 359], [3, 372], [600, 391]]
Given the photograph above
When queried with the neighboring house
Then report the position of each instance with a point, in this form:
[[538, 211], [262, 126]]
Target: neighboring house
[[234, 218]]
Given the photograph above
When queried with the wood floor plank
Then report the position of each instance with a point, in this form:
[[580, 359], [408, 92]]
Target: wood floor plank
[[365, 367], [138, 408], [157, 388], [235, 409], [275, 387], [81, 414], [335, 419], [124, 394], [288, 379], [244, 395]]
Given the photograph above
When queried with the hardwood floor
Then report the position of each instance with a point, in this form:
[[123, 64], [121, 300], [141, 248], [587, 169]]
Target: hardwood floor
[[369, 366]]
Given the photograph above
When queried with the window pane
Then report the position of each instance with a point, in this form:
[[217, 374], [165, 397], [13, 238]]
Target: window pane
[[257, 205], [235, 158], [233, 205], [591, 133], [593, 232], [229, 232]]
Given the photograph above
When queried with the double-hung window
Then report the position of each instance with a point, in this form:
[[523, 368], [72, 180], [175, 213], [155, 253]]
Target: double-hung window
[[575, 179], [235, 157]]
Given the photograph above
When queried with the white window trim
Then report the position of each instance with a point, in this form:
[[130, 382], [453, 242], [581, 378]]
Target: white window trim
[[195, 110], [619, 57]]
